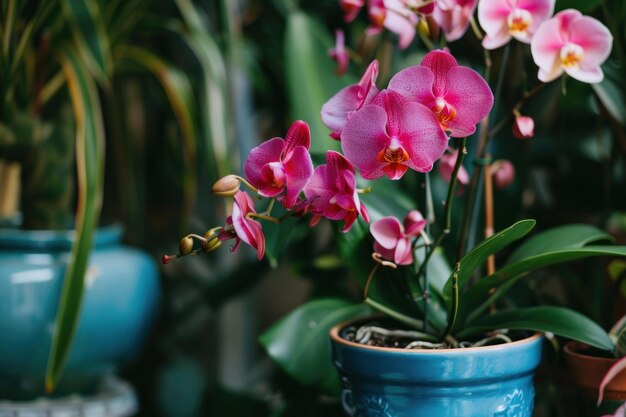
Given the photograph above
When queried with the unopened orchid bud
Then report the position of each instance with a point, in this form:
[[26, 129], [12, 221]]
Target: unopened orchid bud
[[503, 173], [226, 186], [212, 242], [185, 246], [166, 259], [523, 127], [423, 28]]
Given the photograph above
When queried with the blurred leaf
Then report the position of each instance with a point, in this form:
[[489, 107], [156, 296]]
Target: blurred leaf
[[582, 5], [310, 76], [214, 117], [300, 345], [179, 93], [563, 237], [610, 92], [477, 256], [560, 321], [477, 299], [90, 170], [85, 20]]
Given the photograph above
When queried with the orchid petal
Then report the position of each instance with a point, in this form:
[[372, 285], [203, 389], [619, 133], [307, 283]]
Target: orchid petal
[[387, 231], [268, 151], [470, 94], [298, 169], [298, 134], [414, 83], [421, 135]]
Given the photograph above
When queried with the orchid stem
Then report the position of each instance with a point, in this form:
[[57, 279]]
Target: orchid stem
[[263, 217], [370, 278], [270, 206], [448, 205], [454, 307], [428, 250]]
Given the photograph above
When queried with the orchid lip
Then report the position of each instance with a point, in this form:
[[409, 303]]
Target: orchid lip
[[519, 21], [444, 111], [393, 153], [571, 55]]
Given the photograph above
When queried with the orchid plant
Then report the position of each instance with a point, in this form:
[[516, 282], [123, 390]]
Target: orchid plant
[[424, 117]]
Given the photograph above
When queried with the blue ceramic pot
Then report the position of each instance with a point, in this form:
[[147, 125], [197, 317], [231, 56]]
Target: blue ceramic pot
[[121, 297], [493, 381]]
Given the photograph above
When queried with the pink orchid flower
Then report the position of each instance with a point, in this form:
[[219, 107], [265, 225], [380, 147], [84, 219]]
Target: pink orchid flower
[[336, 111], [446, 168], [571, 43], [332, 192], [391, 135], [339, 52], [395, 16], [505, 19], [278, 165], [351, 8], [393, 239], [503, 172], [453, 17], [457, 95], [247, 229], [523, 127]]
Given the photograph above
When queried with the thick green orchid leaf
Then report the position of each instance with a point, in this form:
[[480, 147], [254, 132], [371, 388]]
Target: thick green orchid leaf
[[300, 345], [558, 320], [558, 238], [388, 288], [477, 256], [310, 77], [90, 170], [85, 19], [478, 299]]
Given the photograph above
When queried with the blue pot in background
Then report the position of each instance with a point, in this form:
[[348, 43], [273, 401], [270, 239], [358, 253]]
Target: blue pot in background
[[492, 381], [121, 298]]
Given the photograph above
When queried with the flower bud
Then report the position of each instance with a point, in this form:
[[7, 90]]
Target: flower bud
[[211, 243], [423, 28], [503, 173], [166, 259], [185, 246], [226, 186], [523, 127]]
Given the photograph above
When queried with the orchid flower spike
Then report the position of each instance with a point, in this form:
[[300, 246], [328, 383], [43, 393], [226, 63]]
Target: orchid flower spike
[[453, 17], [571, 43], [457, 95], [339, 52], [393, 239], [336, 111], [279, 165], [503, 20], [247, 229], [391, 135], [332, 192]]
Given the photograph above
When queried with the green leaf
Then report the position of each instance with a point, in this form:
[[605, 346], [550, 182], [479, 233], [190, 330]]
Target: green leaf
[[388, 289], [611, 93], [180, 96], [582, 5], [300, 345], [310, 76], [558, 238], [477, 299], [215, 118], [85, 20], [90, 170], [560, 321], [477, 256]]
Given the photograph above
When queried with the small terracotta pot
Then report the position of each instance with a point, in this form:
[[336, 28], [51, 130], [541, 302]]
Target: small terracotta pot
[[588, 371]]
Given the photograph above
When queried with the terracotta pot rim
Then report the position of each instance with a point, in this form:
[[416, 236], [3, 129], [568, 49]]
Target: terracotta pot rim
[[334, 335], [570, 349]]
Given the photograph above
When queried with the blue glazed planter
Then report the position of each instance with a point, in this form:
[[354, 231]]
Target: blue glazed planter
[[474, 382], [120, 302]]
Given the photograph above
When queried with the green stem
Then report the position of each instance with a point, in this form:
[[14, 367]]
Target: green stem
[[448, 206], [454, 307], [466, 241], [415, 324], [263, 217]]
